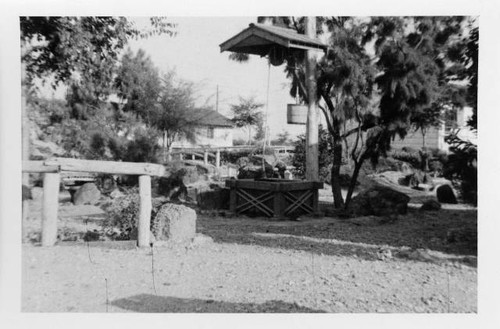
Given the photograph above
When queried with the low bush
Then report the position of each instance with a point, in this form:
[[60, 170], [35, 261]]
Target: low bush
[[407, 155], [461, 167], [123, 213]]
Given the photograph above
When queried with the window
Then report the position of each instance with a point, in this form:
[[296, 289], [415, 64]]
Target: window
[[210, 132]]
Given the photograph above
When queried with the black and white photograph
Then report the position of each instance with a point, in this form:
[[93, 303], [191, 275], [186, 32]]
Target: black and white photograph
[[247, 164]]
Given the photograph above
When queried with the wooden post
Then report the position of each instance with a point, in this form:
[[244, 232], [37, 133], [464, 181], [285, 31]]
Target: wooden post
[[279, 203], [217, 158], [312, 168], [50, 205], [143, 226], [205, 157]]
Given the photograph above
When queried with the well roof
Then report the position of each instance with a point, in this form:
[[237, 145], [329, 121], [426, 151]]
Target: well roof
[[257, 39]]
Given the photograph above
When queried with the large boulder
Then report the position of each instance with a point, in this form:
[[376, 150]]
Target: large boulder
[[88, 193], [379, 201], [174, 223], [445, 194]]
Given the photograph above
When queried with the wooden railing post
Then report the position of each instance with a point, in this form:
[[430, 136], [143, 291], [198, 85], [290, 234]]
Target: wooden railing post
[[50, 205], [143, 226], [217, 158], [205, 157]]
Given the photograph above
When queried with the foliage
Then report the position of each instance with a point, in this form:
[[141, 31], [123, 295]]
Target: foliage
[[175, 114], [461, 167], [239, 141], [143, 148], [410, 156], [247, 114], [282, 138], [233, 156], [324, 150], [123, 214], [90, 46], [138, 84]]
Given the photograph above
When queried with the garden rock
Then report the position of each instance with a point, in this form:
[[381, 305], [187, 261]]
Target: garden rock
[[379, 201], [88, 193], [445, 194], [116, 194], [430, 205], [175, 223]]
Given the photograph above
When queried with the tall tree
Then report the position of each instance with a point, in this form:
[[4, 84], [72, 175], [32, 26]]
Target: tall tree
[[175, 114], [138, 83], [247, 114]]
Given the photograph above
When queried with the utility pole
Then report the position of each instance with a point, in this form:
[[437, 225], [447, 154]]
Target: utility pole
[[312, 168]]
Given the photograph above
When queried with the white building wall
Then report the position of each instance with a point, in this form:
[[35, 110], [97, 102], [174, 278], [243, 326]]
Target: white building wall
[[435, 135], [221, 137]]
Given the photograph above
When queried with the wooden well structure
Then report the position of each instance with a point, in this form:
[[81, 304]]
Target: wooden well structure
[[274, 198], [281, 198]]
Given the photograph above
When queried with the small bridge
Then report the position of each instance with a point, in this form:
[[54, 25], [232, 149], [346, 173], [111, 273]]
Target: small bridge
[[214, 152]]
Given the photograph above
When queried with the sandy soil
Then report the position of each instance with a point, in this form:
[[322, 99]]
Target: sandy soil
[[256, 265]]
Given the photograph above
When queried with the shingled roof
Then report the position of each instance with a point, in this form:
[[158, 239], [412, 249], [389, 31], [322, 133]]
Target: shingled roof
[[258, 38], [209, 118]]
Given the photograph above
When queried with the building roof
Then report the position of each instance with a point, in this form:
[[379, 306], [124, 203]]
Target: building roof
[[257, 39], [209, 118]]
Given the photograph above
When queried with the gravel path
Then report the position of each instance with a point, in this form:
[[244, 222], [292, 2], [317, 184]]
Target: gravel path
[[228, 278]]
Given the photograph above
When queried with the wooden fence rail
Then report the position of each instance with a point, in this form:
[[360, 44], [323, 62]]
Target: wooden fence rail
[[52, 168]]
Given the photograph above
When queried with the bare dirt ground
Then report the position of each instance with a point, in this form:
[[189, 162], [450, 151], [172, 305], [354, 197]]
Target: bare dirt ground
[[240, 264]]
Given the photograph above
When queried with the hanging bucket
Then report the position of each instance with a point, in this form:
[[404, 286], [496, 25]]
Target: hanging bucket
[[296, 114]]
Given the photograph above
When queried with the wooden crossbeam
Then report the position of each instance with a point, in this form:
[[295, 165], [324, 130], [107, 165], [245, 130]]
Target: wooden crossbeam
[[107, 167], [298, 202], [255, 202]]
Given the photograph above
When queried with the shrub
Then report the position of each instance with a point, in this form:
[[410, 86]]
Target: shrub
[[325, 155], [143, 149], [407, 155], [233, 156], [123, 213], [461, 167]]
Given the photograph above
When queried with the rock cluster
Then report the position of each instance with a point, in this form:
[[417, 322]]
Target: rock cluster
[[379, 201]]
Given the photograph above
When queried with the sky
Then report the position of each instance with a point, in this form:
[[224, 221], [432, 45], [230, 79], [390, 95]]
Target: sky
[[194, 54]]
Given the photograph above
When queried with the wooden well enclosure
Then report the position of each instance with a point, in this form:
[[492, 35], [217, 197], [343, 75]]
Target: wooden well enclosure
[[275, 198]]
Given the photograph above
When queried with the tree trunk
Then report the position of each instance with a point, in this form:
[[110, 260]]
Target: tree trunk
[[338, 200], [354, 179], [164, 146]]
